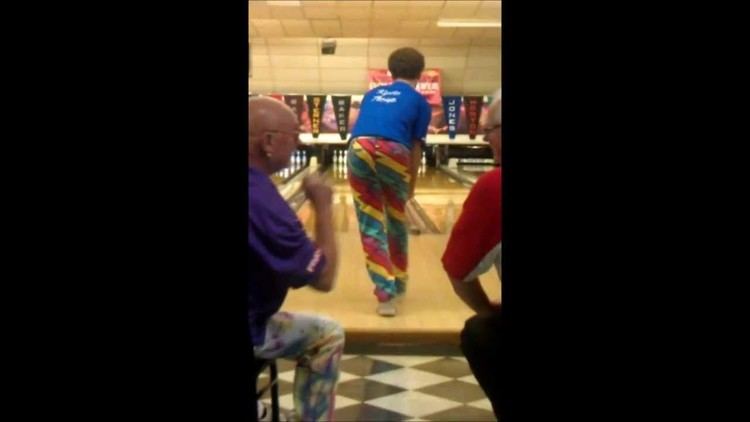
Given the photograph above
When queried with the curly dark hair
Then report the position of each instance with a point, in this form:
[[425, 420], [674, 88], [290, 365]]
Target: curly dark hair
[[406, 63]]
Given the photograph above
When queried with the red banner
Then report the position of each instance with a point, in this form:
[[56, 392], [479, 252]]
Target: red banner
[[296, 103], [473, 110]]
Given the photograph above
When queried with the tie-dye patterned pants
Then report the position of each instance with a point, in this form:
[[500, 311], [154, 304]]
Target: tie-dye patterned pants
[[379, 176], [316, 343]]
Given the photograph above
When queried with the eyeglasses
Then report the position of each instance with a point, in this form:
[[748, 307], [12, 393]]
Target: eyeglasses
[[487, 130]]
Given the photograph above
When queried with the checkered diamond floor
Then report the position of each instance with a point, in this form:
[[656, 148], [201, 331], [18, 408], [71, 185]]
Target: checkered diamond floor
[[400, 388]]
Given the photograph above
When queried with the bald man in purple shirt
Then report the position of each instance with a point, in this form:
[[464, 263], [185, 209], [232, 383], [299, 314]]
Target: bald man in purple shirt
[[282, 256]]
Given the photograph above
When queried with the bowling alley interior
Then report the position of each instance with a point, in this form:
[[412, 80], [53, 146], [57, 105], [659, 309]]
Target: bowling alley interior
[[320, 58]]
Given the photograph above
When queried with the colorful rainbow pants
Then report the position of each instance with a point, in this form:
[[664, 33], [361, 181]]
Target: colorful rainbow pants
[[379, 177]]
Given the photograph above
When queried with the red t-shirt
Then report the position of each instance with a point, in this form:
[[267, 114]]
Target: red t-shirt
[[478, 229]]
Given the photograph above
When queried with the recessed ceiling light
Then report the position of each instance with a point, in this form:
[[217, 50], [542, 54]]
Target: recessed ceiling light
[[467, 23], [283, 3]]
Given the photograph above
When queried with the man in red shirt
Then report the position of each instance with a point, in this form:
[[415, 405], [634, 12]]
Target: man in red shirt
[[474, 246]]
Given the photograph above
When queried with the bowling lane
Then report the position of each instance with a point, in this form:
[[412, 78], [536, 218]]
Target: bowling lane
[[474, 170], [467, 172], [297, 163], [439, 319], [438, 195]]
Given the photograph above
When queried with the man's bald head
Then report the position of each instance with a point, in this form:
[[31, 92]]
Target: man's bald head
[[274, 134]]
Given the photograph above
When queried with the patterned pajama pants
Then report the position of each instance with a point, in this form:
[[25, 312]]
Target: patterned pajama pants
[[316, 343], [379, 177]]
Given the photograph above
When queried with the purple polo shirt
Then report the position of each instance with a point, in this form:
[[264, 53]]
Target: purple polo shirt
[[281, 254]]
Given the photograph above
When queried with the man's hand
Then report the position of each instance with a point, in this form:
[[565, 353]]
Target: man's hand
[[317, 190]]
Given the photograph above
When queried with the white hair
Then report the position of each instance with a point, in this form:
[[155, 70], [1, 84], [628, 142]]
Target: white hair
[[496, 106]]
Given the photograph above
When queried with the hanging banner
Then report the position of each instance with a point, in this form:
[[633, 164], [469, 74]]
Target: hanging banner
[[341, 105], [473, 107], [296, 103], [452, 106], [429, 86], [315, 104]]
